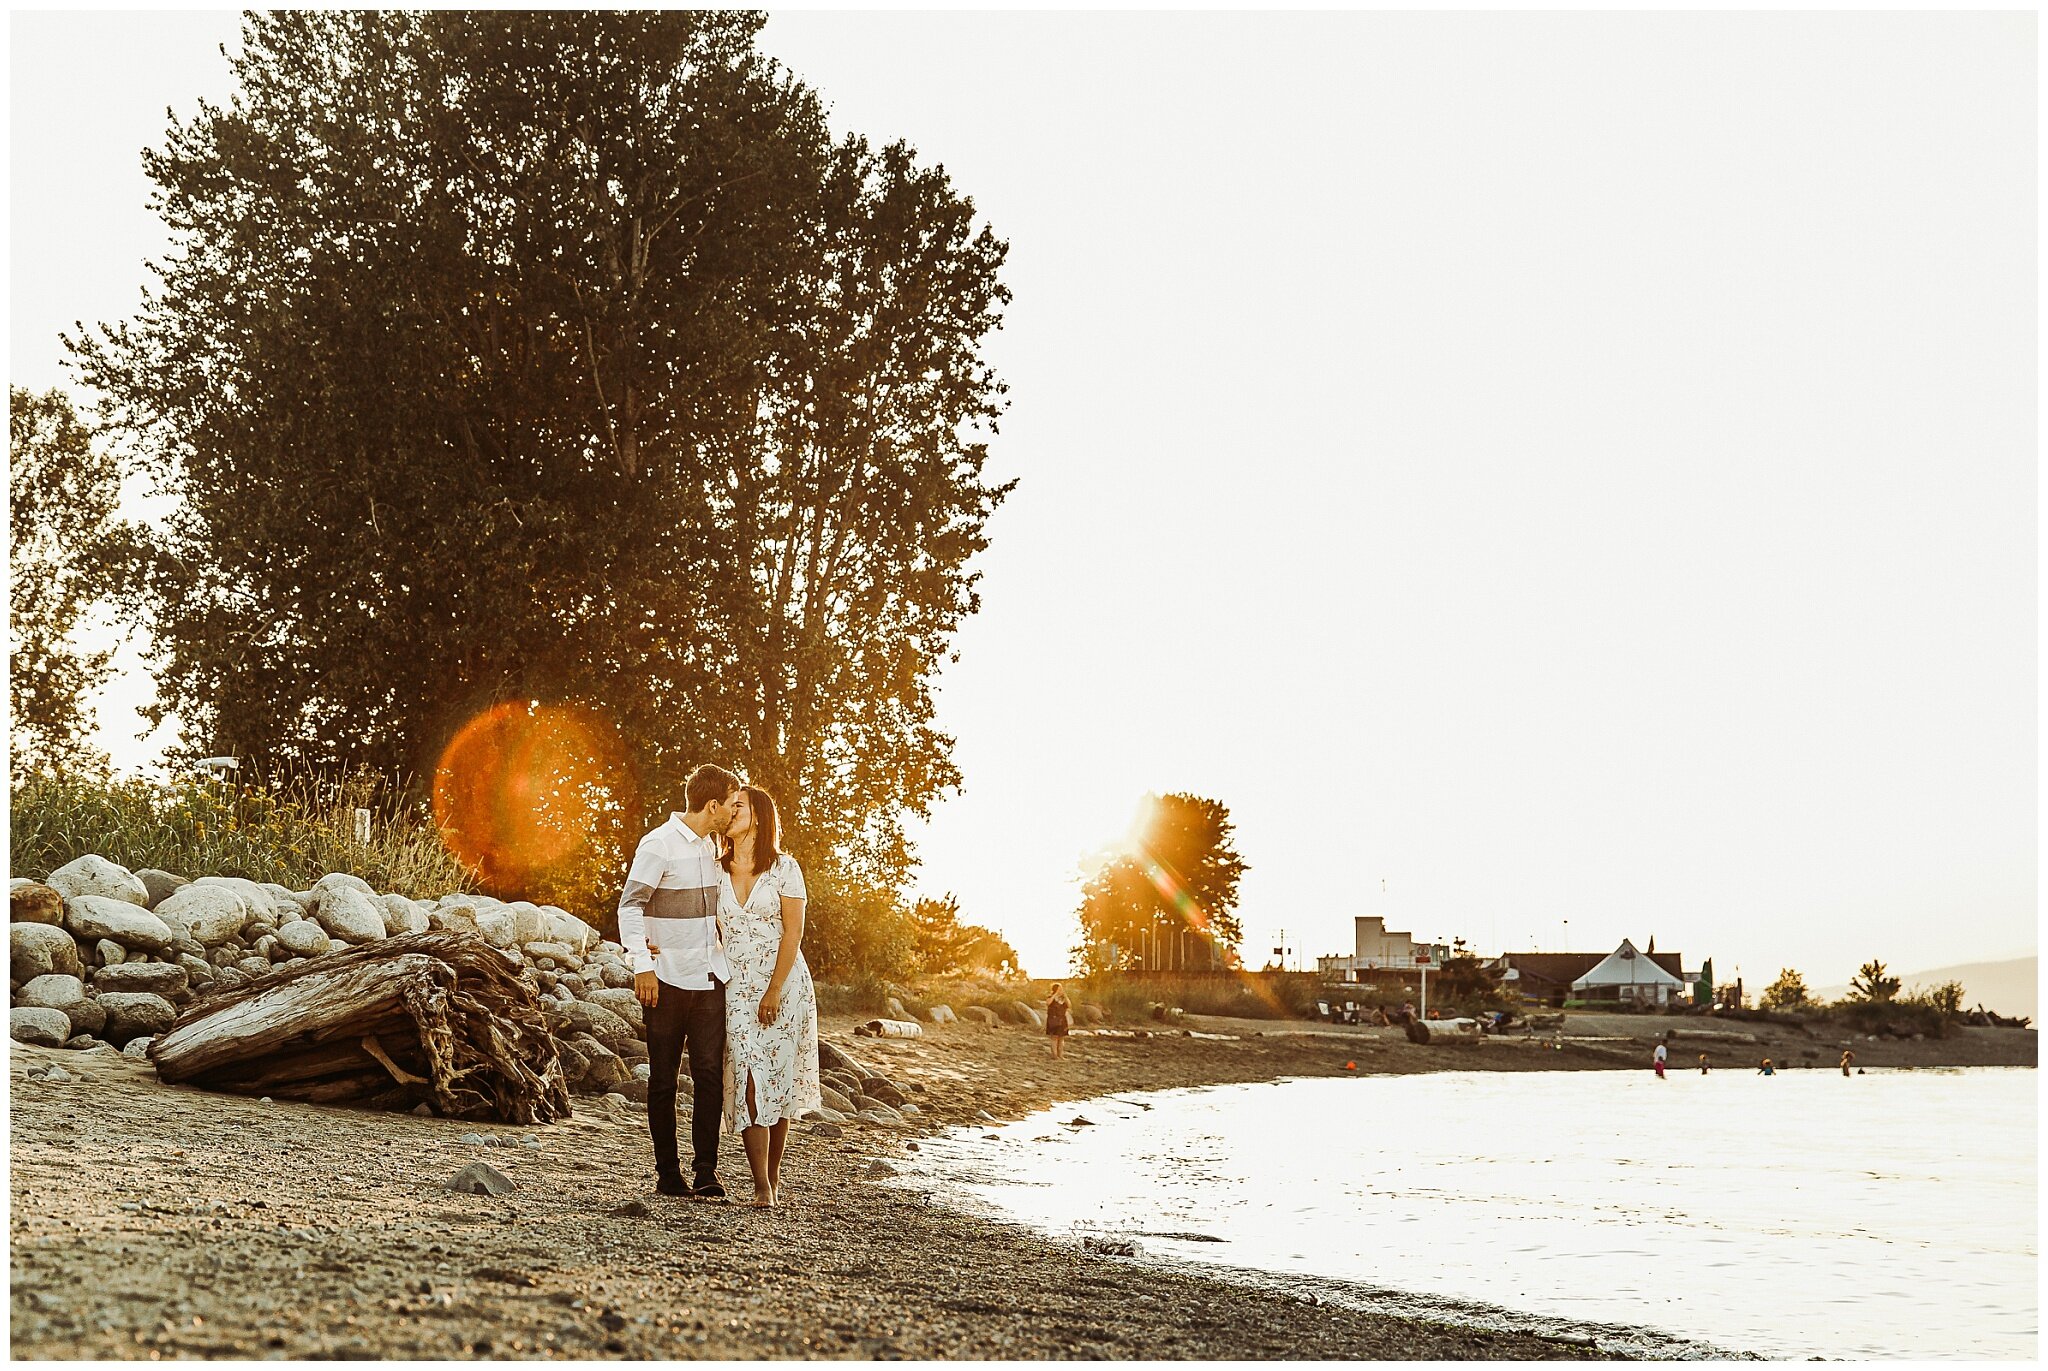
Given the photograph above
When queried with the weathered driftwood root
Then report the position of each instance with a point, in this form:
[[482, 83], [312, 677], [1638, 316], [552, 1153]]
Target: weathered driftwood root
[[440, 1018]]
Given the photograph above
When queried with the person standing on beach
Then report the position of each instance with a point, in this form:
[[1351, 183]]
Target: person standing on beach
[[1059, 1015], [1847, 1057], [1703, 1063], [1658, 1058], [668, 924], [771, 1007]]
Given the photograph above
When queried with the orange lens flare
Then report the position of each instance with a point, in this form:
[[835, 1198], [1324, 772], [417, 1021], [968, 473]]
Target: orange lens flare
[[520, 787]]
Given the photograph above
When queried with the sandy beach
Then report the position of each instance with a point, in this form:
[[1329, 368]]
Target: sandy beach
[[155, 1221]]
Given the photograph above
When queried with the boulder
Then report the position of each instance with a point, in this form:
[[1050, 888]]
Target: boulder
[[159, 884], [43, 1027], [96, 876], [885, 1090], [529, 925], [1088, 1013], [623, 1003], [564, 927], [880, 1113], [895, 1008], [156, 978], [834, 1099], [32, 902], [107, 952], [834, 1058], [198, 971], [262, 903], [1029, 1015], [211, 913], [943, 1013], [66, 995], [41, 950], [347, 914], [600, 1023], [603, 1070], [402, 916], [130, 1014], [92, 917], [561, 954], [271, 950], [337, 880], [227, 978], [616, 977], [451, 919], [253, 966], [496, 926], [978, 1014], [139, 1047]]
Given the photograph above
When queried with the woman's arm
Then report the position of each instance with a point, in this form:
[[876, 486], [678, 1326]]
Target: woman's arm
[[785, 957]]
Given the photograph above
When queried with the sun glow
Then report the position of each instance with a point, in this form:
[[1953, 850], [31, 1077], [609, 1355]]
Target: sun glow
[[521, 787]]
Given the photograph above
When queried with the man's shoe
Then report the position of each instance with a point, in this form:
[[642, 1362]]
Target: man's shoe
[[671, 1184], [708, 1189]]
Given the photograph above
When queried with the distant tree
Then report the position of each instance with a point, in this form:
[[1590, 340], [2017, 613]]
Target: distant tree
[[1179, 874], [945, 943], [1945, 999], [563, 358], [1787, 992], [1871, 984], [61, 495]]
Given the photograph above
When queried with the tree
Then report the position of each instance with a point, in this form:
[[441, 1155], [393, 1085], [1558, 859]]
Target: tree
[[563, 359], [1787, 992], [1174, 880], [61, 495], [1946, 1000], [945, 943], [1871, 984]]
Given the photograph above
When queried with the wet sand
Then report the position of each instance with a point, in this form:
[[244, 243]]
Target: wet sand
[[158, 1221]]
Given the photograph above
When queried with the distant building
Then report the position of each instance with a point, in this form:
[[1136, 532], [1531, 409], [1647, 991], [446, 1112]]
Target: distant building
[[1626, 976], [1547, 978], [1375, 948]]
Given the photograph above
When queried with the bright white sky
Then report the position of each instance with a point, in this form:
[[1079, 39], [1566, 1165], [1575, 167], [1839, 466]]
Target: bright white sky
[[1562, 467]]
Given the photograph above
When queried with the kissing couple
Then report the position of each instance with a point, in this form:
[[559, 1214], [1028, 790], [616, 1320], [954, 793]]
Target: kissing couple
[[712, 919]]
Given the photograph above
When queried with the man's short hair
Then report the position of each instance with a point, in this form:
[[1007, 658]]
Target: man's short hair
[[707, 784]]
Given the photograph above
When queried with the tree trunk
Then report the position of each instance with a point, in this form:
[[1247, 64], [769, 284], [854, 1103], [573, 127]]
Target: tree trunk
[[440, 1018]]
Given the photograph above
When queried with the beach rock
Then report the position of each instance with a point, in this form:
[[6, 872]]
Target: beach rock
[[1088, 1013], [211, 913], [642, 1071], [895, 1008], [1030, 1015], [347, 914], [337, 880], [943, 1013], [574, 1063], [39, 949], [881, 1113], [564, 927], [95, 876], [981, 1015], [228, 978], [107, 952], [833, 1058], [560, 954], [529, 925], [451, 919], [43, 1027], [198, 971], [633, 1090], [599, 1022], [138, 1048], [617, 977], [305, 938], [156, 978], [401, 916], [130, 1014], [496, 927], [92, 917], [883, 1089], [837, 1100], [603, 1068], [827, 1129], [32, 902], [270, 949], [159, 884], [253, 967], [623, 1003], [479, 1179], [65, 994]]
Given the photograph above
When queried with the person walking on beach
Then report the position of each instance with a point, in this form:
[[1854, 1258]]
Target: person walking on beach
[[771, 1007], [668, 924], [1058, 1017], [1657, 1058]]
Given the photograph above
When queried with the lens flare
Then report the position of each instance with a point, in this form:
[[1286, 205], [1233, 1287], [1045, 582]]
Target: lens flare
[[522, 787]]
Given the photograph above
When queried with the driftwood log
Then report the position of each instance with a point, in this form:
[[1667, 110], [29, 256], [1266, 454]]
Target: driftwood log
[[436, 1018]]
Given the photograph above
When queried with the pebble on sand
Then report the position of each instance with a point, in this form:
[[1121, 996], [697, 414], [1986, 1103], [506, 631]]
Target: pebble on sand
[[478, 1179]]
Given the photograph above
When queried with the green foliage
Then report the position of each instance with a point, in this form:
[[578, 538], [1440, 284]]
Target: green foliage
[[856, 932], [1787, 992], [564, 357], [945, 944], [61, 494], [1946, 1000], [1871, 984], [291, 832], [1179, 873], [1238, 995]]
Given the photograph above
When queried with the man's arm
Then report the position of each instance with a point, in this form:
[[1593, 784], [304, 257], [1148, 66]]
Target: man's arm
[[641, 879]]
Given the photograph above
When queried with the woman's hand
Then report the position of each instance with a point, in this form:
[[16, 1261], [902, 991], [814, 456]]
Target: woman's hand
[[771, 1005]]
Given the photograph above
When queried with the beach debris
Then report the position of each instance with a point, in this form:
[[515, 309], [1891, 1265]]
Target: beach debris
[[479, 1179], [889, 1028], [423, 1016], [1079, 1122], [984, 1115], [876, 1170], [1106, 1246], [633, 1209]]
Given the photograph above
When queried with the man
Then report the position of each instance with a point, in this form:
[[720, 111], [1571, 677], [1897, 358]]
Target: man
[[668, 924]]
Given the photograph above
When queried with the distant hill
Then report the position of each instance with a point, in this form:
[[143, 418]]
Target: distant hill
[[2008, 987]]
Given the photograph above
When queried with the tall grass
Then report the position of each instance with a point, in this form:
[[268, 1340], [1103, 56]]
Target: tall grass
[[291, 831]]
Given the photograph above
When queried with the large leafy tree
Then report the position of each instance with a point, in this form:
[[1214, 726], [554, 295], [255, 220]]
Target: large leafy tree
[[1787, 992], [1177, 875], [568, 359], [1872, 984], [61, 494]]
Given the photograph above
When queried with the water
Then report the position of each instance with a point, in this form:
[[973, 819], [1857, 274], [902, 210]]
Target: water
[[1888, 1215]]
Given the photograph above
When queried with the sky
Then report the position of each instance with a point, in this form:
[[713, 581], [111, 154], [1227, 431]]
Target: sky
[[1556, 478]]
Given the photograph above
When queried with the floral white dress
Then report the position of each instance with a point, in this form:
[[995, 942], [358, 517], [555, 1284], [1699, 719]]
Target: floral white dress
[[782, 1057]]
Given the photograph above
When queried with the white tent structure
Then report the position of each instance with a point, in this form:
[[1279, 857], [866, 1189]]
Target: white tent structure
[[1626, 974]]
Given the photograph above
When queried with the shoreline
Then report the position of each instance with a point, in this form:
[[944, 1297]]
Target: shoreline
[[158, 1220]]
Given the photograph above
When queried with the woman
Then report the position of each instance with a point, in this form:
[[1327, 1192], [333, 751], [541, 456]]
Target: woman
[[1059, 1014], [771, 1011]]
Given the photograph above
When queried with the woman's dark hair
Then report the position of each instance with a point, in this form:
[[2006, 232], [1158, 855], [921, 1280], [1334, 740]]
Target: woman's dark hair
[[766, 832]]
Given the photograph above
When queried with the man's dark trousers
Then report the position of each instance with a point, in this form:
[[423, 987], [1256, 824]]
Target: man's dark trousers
[[698, 1018]]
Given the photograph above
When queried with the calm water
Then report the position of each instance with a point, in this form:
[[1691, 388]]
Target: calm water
[[1885, 1215]]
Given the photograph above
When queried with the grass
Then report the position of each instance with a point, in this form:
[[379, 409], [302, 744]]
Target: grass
[[291, 831]]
